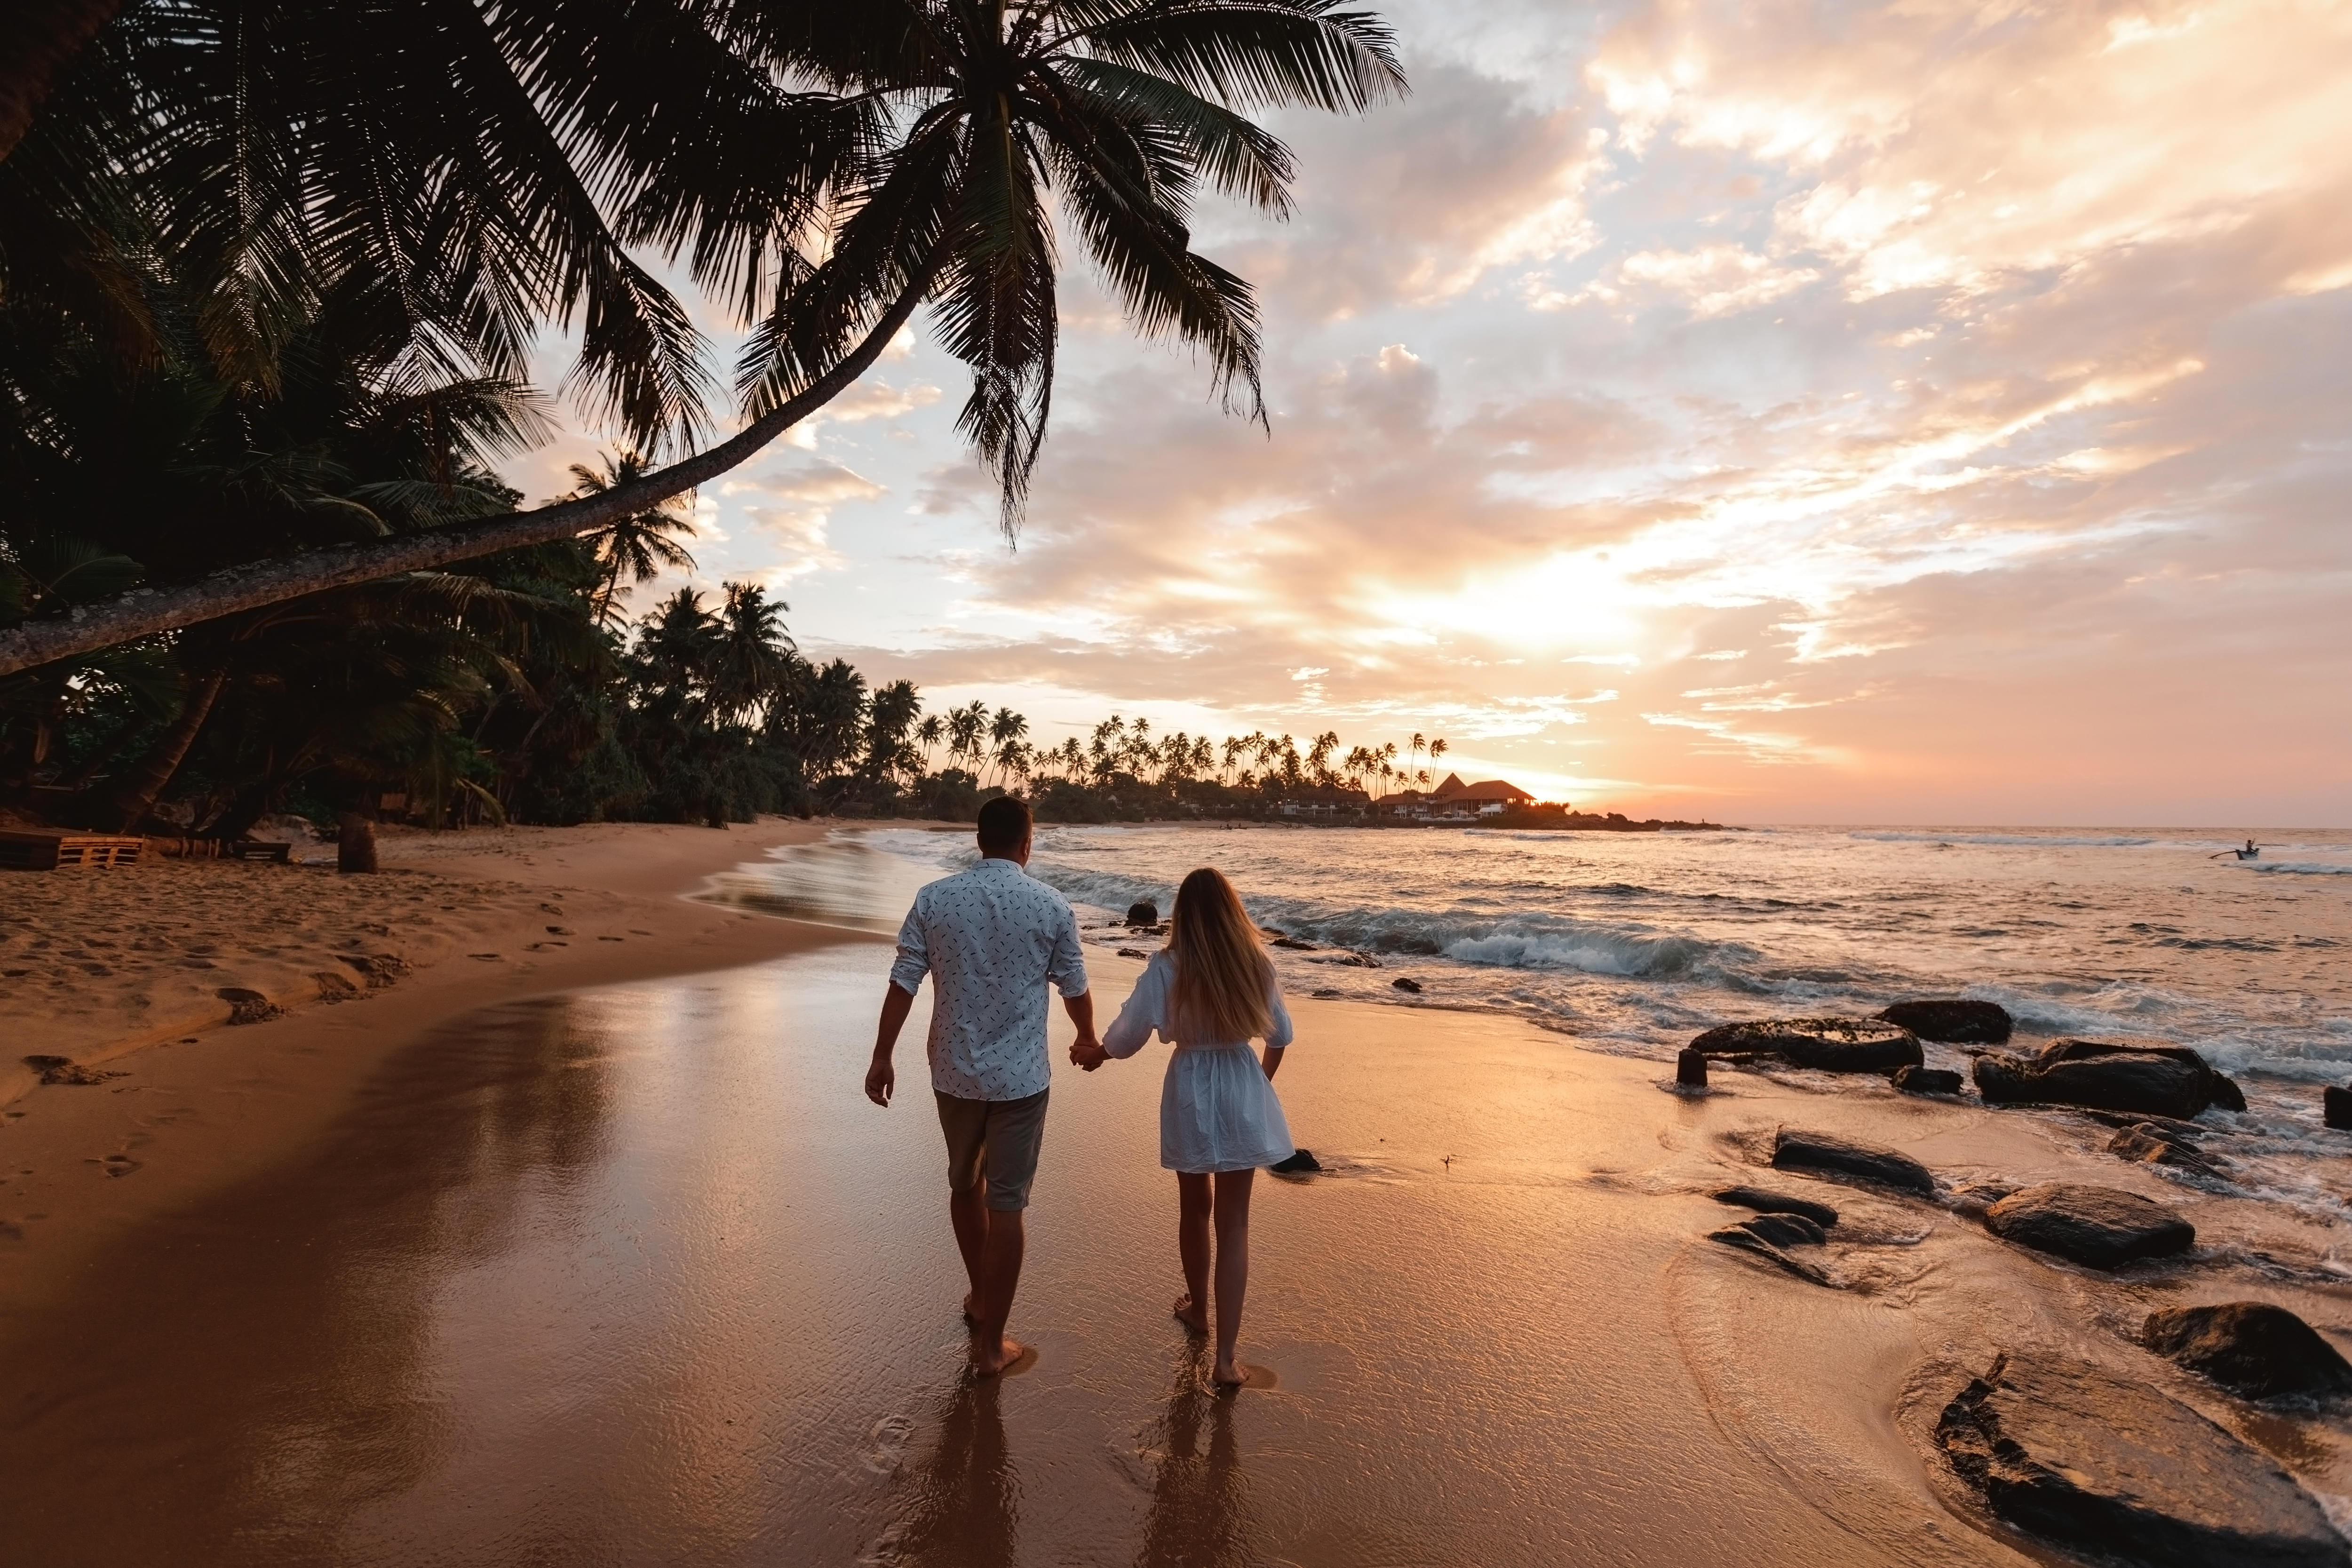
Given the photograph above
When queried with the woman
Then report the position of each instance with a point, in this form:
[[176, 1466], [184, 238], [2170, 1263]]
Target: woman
[[1209, 993]]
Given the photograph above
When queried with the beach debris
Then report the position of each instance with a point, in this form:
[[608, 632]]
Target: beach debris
[[2336, 1107], [2170, 1081], [1133, 953], [2150, 1144], [1765, 1201], [1402, 984], [552, 909], [1953, 1020], [1830, 1045], [247, 1006], [560, 931], [2250, 1348], [1299, 1162], [1744, 1236], [1690, 1068], [2100, 1227], [1143, 912], [1928, 1081], [333, 987], [1821, 1151], [2081, 1457], [64, 1070]]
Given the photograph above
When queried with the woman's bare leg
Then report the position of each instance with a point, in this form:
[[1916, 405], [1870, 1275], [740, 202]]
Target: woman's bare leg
[[1232, 1202], [1194, 1204]]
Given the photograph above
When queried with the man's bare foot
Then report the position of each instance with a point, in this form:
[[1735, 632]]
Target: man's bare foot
[[988, 1364], [1191, 1316]]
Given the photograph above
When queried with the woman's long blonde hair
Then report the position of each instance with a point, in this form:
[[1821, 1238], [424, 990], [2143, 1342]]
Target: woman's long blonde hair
[[1223, 974]]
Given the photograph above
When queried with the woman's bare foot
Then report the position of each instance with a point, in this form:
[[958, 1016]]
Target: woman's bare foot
[[1229, 1374], [1191, 1316], [971, 1300], [1008, 1351]]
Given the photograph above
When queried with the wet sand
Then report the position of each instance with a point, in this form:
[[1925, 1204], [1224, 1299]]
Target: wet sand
[[636, 1276]]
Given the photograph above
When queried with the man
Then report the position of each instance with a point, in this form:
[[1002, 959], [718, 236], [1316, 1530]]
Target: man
[[990, 938]]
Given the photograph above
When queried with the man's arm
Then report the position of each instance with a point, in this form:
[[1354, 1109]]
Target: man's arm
[[881, 1078]]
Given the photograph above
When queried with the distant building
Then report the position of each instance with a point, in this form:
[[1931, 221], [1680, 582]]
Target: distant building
[[1490, 797], [1313, 800]]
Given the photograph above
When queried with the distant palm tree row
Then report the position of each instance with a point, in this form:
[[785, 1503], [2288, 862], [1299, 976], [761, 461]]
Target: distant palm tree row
[[995, 747]]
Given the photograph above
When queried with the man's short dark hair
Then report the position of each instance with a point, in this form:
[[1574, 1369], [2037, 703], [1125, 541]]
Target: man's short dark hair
[[1005, 823]]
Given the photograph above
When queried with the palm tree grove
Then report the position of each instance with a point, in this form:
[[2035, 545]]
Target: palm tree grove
[[271, 279]]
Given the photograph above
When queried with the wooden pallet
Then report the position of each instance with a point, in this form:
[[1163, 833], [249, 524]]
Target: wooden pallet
[[48, 851]]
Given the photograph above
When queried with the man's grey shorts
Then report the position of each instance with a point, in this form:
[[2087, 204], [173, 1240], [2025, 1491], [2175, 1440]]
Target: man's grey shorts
[[1000, 1136]]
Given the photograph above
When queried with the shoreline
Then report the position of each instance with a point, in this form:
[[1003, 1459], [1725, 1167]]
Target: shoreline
[[192, 1103]]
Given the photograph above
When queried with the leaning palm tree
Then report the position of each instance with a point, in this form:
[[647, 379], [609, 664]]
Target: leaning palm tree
[[637, 546], [1115, 114]]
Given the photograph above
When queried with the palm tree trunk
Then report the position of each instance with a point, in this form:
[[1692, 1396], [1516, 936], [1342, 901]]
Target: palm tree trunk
[[143, 788], [44, 37], [146, 611]]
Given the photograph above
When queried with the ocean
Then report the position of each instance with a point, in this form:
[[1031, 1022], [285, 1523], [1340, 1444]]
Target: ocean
[[1630, 943]]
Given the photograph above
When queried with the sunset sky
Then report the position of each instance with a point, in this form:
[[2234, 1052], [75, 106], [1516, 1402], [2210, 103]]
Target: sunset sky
[[1923, 413]]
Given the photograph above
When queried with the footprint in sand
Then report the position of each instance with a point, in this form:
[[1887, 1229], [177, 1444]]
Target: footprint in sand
[[886, 1445], [122, 1164]]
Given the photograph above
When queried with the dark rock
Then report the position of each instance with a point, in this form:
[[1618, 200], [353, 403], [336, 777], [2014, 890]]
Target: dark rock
[[1349, 960], [1133, 953], [1831, 1045], [1954, 1021], [247, 1007], [2163, 1080], [1690, 1068], [1820, 1152], [64, 1070], [1764, 1200], [1143, 912], [1401, 984], [2227, 1095], [2117, 1470], [2151, 1145], [2250, 1348], [1975, 1197], [2335, 1106], [1928, 1081], [1294, 943], [1786, 1229], [1746, 1240], [2097, 1227], [1299, 1162]]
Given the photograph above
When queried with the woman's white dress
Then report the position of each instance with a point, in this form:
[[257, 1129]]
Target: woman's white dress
[[1217, 1111]]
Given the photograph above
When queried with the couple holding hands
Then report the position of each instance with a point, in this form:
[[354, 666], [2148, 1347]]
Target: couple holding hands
[[993, 939]]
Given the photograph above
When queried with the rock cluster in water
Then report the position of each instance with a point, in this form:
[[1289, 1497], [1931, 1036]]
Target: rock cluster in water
[[2162, 1081], [1819, 1151]]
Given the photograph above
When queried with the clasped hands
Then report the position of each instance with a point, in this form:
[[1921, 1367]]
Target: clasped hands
[[1086, 1052]]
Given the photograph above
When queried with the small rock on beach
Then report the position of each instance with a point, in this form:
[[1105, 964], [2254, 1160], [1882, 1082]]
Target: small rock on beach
[[1928, 1081], [2100, 1227], [2084, 1459], [1765, 1201], [1818, 1151], [2250, 1348], [1829, 1045]]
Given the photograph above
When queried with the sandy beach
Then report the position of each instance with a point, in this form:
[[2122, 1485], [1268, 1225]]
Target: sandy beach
[[524, 1267]]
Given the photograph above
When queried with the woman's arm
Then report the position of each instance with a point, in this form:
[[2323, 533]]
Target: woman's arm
[[1272, 1059]]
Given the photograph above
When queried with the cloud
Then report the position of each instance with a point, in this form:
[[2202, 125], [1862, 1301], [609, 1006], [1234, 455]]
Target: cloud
[[790, 508]]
